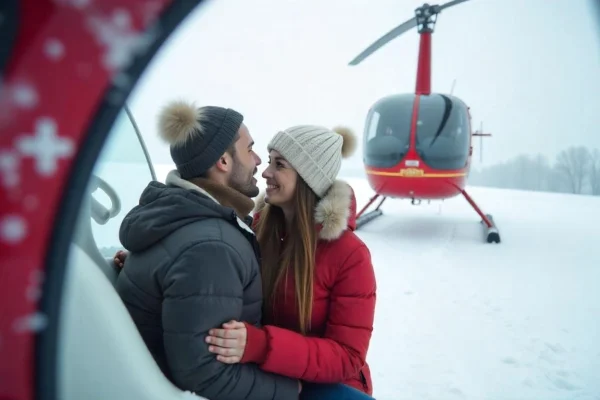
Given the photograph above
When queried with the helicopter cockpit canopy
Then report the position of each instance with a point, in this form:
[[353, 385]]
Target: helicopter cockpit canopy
[[442, 131], [387, 131]]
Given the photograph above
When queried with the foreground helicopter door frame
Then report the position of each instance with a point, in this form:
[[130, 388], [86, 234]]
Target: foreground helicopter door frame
[[61, 92]]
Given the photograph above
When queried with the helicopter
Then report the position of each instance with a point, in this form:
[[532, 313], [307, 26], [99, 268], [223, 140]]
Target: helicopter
[[419, 146]]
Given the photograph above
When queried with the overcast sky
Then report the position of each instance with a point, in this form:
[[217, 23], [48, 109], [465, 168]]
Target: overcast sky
[[529, 69]]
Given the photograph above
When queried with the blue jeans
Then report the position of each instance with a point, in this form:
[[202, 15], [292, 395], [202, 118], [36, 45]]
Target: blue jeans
[[325, 391]]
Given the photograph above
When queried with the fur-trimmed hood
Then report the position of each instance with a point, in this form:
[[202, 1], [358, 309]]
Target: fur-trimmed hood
[[334, 213]]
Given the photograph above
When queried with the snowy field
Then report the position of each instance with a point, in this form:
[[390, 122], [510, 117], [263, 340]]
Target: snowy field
[[458, 318]]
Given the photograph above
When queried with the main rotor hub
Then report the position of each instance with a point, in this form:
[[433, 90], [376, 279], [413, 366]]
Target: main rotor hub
[[426, 16]]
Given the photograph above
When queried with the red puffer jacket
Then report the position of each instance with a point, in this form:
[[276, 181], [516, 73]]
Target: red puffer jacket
[[335, 349]]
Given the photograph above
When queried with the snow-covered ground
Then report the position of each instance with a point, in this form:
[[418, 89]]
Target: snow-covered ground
[[458, 318]]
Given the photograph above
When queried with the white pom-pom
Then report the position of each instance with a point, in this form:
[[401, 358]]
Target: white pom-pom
[[178, 122], [349, 140]]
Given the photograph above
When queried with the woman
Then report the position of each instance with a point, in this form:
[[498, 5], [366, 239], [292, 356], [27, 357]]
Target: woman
[[318, 281]]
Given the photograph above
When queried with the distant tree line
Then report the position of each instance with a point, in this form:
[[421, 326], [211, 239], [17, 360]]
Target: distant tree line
[[575, 170]]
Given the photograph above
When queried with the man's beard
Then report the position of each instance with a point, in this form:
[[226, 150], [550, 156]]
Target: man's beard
[[241, 180]]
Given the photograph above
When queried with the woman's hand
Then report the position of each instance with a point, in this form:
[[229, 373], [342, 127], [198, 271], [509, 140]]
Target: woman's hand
[[120, 257], [228, 343]]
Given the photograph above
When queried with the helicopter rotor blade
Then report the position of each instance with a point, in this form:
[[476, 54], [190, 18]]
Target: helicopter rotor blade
[[397, 31], [450, 4]]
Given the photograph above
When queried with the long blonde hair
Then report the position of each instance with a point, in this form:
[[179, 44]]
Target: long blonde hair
[[298, 252]]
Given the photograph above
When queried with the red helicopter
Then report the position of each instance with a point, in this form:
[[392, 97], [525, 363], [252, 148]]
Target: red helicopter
[[419, 146]]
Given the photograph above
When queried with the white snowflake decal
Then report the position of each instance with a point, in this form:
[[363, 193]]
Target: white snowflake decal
[[34, 323], [54, 49], [13, 229], [45, 146], [18, 94], [121, 41], [9, 168], [24, 95], [34, 291]]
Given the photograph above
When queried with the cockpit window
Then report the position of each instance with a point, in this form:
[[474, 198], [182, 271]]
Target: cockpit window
[[388, 131], [442, 138]]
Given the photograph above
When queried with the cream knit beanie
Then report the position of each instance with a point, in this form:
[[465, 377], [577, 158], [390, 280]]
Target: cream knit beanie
[[315, 152]]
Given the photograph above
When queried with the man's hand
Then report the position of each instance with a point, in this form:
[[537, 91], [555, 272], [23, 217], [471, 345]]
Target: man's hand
[[228, 343]]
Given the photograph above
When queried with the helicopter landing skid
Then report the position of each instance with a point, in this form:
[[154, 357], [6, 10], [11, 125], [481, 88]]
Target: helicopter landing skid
[[492, 235], [362, 218]]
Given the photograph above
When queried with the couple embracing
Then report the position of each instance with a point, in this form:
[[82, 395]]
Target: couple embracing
[[237, 299]]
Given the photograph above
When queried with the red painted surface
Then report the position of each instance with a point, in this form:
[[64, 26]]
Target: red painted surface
[[429, 184], [423, 85], [419, 188], [55, 79]]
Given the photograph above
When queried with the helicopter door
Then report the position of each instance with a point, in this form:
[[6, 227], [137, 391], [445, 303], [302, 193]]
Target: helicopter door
[[442, 139], [387, 131]]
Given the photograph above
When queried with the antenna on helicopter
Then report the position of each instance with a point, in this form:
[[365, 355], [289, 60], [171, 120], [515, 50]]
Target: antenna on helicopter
[[453, 84], [481, 135]]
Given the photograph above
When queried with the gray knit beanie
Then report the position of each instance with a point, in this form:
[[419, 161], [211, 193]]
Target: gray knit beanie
[[197, 136], [315, 152]]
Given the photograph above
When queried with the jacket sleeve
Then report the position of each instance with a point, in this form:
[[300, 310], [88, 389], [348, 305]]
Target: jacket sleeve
[[342, 350], [203, 289]]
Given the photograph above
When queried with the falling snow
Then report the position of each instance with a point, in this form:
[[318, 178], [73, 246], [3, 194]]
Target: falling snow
[[31, 323], [54, 49], [45, 146], [121, 41], [13, 229]]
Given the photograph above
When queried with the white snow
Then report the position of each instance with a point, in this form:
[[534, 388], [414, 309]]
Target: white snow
[[458, 318]]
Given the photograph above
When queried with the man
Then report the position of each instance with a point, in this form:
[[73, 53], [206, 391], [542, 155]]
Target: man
[[193, 262]]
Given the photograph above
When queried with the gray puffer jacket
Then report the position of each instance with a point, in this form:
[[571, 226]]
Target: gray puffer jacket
[[192, 267]]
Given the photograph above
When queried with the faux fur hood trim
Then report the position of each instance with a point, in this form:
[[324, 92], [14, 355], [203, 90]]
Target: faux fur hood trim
[[332, 212]]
